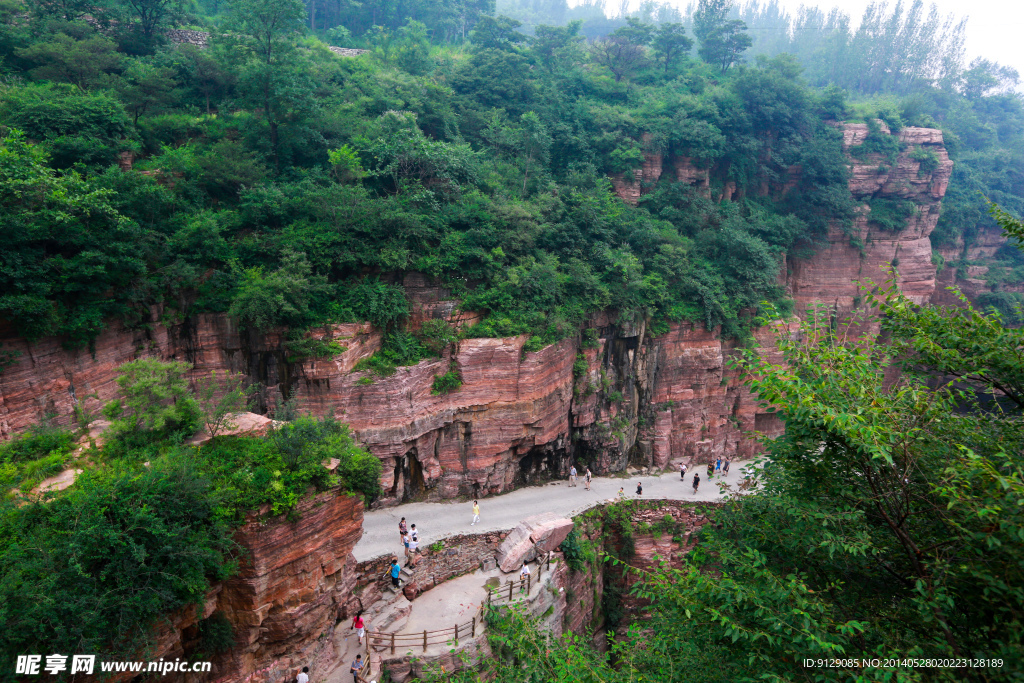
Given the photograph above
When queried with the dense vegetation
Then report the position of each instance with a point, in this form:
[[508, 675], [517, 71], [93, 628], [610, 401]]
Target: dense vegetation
[[146, 527]]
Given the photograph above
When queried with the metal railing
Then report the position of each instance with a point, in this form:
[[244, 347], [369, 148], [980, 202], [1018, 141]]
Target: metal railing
[[506, 593], [381, 641]]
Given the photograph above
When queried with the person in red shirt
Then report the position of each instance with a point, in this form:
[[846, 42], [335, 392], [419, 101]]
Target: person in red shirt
[[359, 626]]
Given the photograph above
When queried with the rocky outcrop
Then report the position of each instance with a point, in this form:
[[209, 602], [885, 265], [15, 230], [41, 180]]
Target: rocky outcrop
[[295, 581], [531, 539], [854, 256]]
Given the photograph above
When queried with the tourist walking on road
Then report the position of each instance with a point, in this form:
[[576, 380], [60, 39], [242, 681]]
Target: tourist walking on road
[[696, 481], [359, 626], [303, 676], [639, 488], [725, 470], [405, 542], [357, 666], [572, 476], [476, 512], [523, 574], [718, 465], [403, 529], [682, 471], [587, 478], [622, 493], [711, 470]]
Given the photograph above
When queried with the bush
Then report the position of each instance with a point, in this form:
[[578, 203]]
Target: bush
[[155, 401], [216, 635], [283, 297], [877, 142], [446, 383], [579, 366], [576, 551], [928, 161], [891, 214], [397, 349], [589, 339], [435, 335], [92, 570]]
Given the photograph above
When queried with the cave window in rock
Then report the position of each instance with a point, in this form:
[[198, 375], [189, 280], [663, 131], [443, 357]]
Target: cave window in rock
[[409, 481], [537, 465]]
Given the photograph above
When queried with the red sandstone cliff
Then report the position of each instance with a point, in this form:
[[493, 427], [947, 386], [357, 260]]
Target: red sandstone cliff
[[295, 580]]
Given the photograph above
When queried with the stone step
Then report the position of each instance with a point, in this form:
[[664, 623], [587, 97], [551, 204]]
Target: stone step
[[406, 571]]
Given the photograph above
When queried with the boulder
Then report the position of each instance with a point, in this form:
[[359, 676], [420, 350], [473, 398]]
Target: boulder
[[548, 531], [514, 550], [532, 537]]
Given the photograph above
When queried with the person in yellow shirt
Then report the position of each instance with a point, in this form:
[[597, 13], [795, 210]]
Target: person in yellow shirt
[[476, 512]]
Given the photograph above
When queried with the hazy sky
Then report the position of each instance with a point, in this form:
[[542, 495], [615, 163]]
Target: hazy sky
[[995, 28]]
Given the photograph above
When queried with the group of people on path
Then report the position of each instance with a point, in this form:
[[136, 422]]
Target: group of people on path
[[717, 466], [574, 477]]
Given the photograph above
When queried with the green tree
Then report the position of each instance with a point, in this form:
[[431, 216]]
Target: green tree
[[623, 52], [722, 40], [155, 399], [268, 30], [145, 86], [86, 62], [497, 33], [282, 297], [220, 397], [152, 16], [671, 44]]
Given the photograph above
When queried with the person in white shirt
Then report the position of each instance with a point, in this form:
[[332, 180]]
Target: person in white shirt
[[523, 574], [304, 676]]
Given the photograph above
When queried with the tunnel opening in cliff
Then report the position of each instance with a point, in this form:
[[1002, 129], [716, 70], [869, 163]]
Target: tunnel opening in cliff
[[540, 464], [409, 482]]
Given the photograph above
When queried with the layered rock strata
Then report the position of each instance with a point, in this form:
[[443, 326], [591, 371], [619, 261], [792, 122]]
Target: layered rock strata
[[853, 257], [295, 581]]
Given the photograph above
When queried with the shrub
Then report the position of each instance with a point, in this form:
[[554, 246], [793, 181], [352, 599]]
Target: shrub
[[121, 548], [576, 551], [282, 297], [589, 338], [533, 344], [398, 348], [435, 335], [219, 397], [308, 347], [928, 161], [891, 214], [877, 142], [155, 402], [216, 635], [579, 367], [446, 383]]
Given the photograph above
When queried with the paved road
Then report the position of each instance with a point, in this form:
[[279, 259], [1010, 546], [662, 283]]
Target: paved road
[[435, 521]]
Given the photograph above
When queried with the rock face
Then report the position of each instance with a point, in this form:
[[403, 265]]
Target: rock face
[[833, 275], [295, 580]]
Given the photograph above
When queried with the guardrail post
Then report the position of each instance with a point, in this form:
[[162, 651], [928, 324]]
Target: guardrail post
[[456, 634], [392, 643], [424, 640], [473, 633], [527, 584], [510, 583]]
